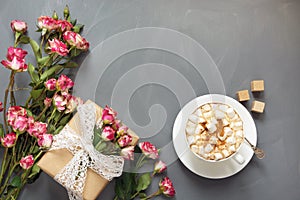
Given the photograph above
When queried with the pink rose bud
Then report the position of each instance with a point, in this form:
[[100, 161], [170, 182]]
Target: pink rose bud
[[57, 46], [128, 153], [108, 115], [149, 150], [15, 52], [13, 112], [47, 102], [37, 129], [9, 140], [166, 187], [59, 102], [27, 162], [64, 83], [18, 26], [122, 130], [47, 23], [20, 124], [1, 106], [72, 104], [45, 140], [124, 140], [50, 84], [160, 167], [74, 39], [64, 25], [108, 133]]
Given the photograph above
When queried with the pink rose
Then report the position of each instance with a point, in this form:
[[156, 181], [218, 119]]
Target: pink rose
[[45, 140], [74, 39], [1, 106], [13, 112], [18, 26], [128, 153], [149, 150], [124, 140], [108, 115], [166, 187], [60, 102], [9, 140], [50, 84], [108, 133], [57, 46], [20, 124], [17, 64], [15, 52], [159, 167], [72, 104], [64, 25], [122, 130], [37, 129], [64, 83], [47, 102], [48, 23], [27, 162]]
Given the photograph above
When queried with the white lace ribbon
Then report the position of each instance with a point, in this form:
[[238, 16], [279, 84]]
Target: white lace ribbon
[[73, 175]]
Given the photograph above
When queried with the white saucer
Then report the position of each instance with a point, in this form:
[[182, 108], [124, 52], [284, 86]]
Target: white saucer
[[213, 170]]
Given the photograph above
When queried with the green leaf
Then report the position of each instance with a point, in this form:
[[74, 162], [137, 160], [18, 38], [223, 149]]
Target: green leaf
[[75, 52], [16, 182], [142, 195], [70, 64], [44, 60], [143, 182], [36, 49], [31, 70], [36, 93], [64, 120], [125, 186], [73, 22], [58, 130], [35, 169], [50, 71], [1, 130], [78, 28], [24, 39]]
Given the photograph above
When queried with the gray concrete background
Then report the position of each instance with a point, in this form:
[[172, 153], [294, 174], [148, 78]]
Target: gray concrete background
[[258, 39]]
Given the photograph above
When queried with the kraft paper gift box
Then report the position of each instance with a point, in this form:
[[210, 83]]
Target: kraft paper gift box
[[54, 161]]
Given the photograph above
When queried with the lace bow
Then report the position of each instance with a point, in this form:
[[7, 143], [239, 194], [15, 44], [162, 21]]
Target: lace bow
[[73, 175]]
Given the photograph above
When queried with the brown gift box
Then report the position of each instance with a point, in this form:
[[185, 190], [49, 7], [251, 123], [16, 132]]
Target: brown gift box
[[53, 161]]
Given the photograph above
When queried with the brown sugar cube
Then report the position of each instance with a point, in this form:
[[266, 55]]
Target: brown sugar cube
[[258, 106], [243, 95], [257, 85]]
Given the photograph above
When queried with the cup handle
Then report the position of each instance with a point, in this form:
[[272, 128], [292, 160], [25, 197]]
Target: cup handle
[[239, 158]]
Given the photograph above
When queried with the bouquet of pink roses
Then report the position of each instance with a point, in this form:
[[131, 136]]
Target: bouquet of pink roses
[[28, 126]]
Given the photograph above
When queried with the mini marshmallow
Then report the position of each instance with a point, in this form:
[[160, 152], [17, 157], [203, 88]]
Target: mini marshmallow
[[190, 130], [223, 107], [225, 153], [202, 120], [211, 127], [208, 148], [198, 112], [230, 112], [191, 140], [213, 140], [218, 156], [206, 107], [219, 114], [227, 130], [194, 148], [239, 133], [194, 118], [231, 140], [232, 148], [208, 115], [238, 125], [190, 124], [213, 121], [199, 129], [225, 122], [198, 137], [222, 137]]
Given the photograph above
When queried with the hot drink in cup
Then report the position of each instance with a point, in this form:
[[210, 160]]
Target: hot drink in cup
[[214, 131]]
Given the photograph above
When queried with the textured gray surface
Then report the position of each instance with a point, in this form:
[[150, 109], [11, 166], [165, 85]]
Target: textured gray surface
[[257, 39]]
